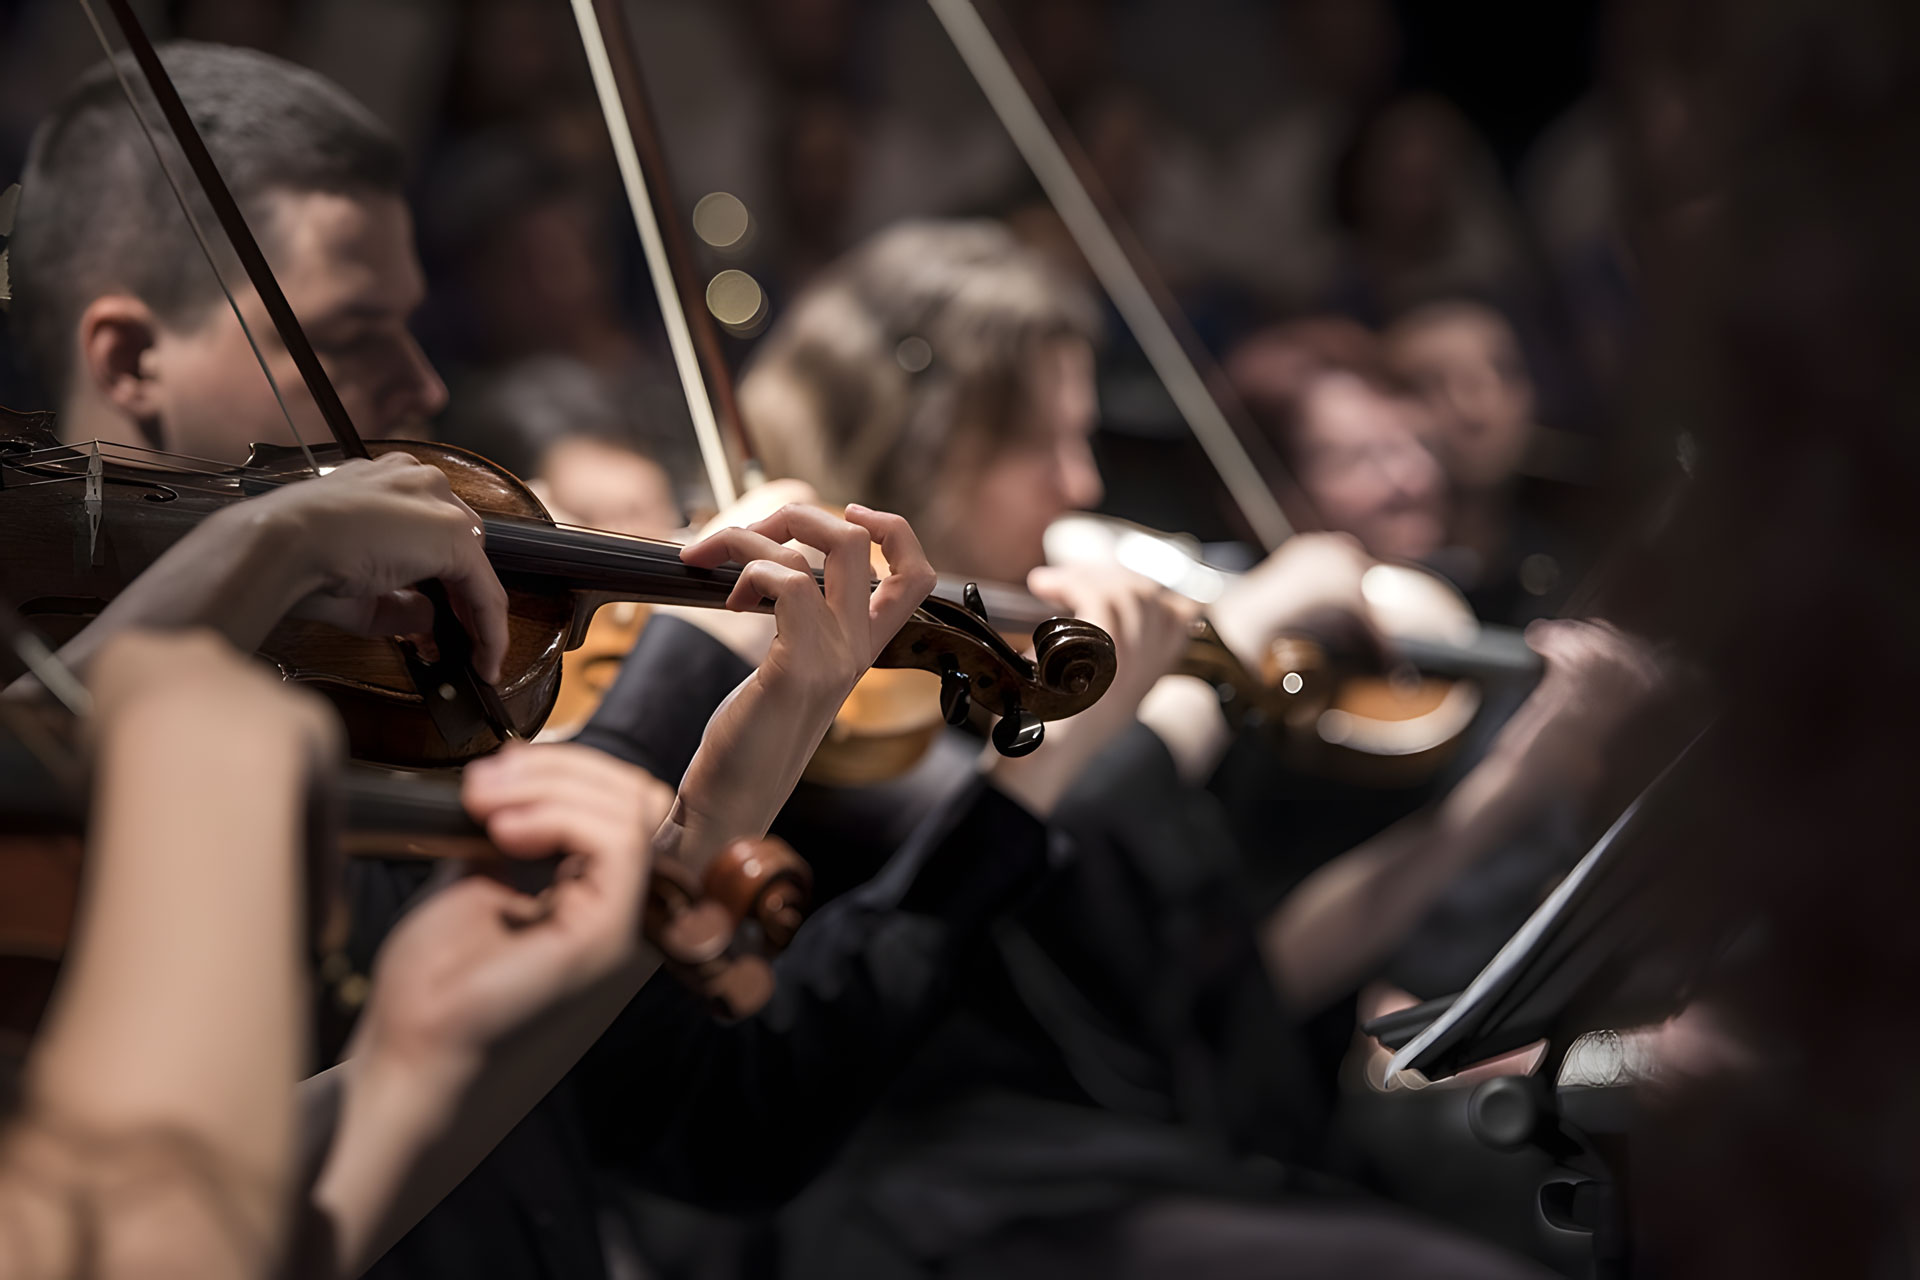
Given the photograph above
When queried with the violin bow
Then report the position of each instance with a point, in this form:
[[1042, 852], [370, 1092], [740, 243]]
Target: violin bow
[[1219, 422], [462, 704], [691, 333]]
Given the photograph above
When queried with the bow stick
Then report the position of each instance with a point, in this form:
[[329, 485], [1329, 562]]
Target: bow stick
[[1218, 421], [642, 161], [462, 704]]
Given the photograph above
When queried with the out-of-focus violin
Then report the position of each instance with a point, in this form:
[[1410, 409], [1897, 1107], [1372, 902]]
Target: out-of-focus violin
[[717, 931], [1335, 706]]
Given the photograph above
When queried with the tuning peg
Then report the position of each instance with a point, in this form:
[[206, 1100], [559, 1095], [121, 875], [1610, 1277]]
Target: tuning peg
[[970, 597], [1019, 733], [956, 696]]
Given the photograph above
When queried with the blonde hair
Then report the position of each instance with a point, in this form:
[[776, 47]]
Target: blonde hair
[[914, 342]]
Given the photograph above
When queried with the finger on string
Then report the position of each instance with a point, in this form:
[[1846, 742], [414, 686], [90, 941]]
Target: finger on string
[[849, 567], [910, 575], [739, 544], [798, 606], [399, 613], [479, 601]]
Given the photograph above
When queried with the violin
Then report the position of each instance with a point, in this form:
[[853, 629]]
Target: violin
[[85, 519], [80, 524], [1336, 708], [717, 931], [1336, 705]]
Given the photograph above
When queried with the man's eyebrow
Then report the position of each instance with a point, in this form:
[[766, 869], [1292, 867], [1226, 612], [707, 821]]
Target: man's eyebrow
[[362, 310], [365, 310]]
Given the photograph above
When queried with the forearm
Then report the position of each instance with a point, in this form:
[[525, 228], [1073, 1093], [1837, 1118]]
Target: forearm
[[1184, 712], [179, 1013], [138, 1206], [748, 763], [407, 1132], [1328, 934], [238, 573]]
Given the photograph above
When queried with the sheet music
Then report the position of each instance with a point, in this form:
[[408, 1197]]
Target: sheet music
[[1504, 968]]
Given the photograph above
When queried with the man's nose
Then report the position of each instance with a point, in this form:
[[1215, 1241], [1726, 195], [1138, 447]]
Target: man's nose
[[421, 393], [1410, 470], [1079, 477]]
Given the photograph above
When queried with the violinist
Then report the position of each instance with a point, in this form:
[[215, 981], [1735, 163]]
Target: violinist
[[949, 369], [189, 1161], [1464, 359], [149, 1138], [126, 327], [669, 1096]]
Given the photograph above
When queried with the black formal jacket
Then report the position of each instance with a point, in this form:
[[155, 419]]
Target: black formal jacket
[[736, 1115]]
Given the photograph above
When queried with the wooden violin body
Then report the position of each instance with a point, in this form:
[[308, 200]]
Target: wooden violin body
[[83, 520], [717, 930]]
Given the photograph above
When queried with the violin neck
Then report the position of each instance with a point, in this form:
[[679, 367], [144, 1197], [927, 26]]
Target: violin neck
[[1495, 653], [395, 815], [1009, 609], [607, 566]]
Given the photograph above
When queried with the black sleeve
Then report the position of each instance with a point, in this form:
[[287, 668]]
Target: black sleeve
[[671, 683], [1160, 929], [741, 1116]]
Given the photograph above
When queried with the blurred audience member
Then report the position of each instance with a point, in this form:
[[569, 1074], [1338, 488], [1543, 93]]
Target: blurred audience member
[[818, 157], [520, 67], [558, 425], [1160, 181], [526, 243], [1349, 435], [1464, 360], [1570, 191], [1424, 214], [1339, 58]]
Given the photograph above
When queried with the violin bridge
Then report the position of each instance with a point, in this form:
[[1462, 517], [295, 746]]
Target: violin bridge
[[91, 501]]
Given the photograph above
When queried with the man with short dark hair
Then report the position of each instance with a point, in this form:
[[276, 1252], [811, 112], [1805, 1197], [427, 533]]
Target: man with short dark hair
[[115, 303]]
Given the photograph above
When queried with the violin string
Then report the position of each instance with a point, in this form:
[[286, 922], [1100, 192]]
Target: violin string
[[631, 544], [130, 453], [193, 222], [648, 551]]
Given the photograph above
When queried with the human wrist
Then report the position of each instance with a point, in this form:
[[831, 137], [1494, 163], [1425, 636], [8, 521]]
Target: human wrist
[[1033, 783], [414, 1087], [247, 751], [1184, 713], [282, 557]]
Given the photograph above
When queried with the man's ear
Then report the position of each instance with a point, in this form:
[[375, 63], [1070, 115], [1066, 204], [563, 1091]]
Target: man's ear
[[117, 335]]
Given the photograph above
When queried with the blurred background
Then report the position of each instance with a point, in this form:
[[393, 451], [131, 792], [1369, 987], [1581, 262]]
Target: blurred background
[[1278, 158]]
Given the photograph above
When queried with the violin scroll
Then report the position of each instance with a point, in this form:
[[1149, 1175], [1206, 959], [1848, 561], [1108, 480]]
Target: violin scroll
[[1072, 656], [1072, 666], [719, 933]]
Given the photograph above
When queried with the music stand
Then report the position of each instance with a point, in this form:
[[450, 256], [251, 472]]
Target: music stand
[[1529, 988]]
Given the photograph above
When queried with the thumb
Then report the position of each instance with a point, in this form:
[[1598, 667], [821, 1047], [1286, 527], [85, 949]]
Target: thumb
[[1050, 583], [400, 613]]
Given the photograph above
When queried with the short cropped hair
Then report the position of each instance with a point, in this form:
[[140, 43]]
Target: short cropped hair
[[96, 215], [914, 341]]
